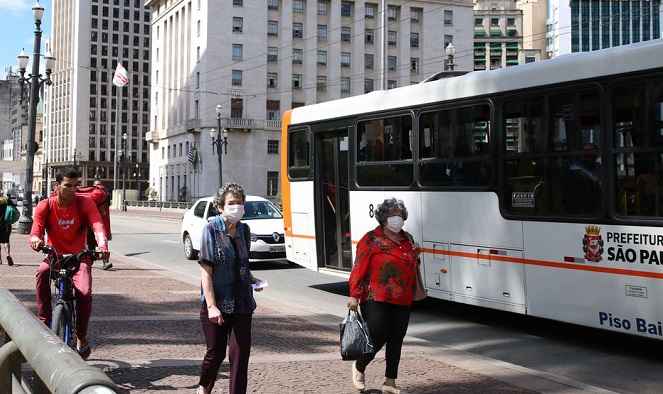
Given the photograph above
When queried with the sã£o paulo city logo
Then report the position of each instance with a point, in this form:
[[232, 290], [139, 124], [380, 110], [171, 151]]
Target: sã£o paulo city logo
[[592, 244]]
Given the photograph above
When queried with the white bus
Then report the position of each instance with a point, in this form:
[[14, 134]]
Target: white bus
[[535, 189]]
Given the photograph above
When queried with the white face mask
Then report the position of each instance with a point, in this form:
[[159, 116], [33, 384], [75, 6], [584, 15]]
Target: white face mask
[[395, 223], [233, 213]]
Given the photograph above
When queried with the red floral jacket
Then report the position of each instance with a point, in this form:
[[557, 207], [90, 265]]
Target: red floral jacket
[[384, 270]]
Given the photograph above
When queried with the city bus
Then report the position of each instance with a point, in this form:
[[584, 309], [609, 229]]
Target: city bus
[[534, 189]]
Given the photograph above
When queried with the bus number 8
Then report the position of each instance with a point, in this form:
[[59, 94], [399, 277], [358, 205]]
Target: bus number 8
[[371, 213]]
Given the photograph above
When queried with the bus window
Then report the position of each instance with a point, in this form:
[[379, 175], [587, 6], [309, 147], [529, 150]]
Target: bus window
[[638, 150], [564, 178], [384, 152], [455, 147], [299, 154]]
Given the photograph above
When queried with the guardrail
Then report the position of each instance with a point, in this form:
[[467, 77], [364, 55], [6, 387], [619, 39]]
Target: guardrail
[[58, 369], [160, 204]]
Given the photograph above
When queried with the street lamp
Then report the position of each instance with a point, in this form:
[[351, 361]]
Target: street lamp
[[450, 51], [124, 171], [33, 82], [220, 142]]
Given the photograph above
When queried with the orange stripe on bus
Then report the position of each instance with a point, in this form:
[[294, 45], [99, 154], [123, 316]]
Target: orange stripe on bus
[[547, 263], [304, 236], [285, 182]]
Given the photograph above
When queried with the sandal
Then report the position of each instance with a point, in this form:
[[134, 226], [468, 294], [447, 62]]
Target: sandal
[[10, 261], [84, 351]]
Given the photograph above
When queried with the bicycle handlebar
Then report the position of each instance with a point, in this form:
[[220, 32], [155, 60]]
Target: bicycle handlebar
[[49, 251]]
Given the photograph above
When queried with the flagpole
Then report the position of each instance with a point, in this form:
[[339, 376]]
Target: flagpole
[[117, 133]]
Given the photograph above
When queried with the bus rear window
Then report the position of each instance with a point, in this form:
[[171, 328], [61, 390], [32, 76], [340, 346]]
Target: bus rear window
[[299, 154]]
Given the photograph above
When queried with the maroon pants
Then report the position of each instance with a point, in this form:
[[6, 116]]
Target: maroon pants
[[82, 283], [236, 328]]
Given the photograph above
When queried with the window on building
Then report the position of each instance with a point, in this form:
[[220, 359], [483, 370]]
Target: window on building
[[238, 24], [346, 8], [414, 65], [297, 104], [297, 30], [448, 39], [321, 85], [345, 86], [391, 84], [296, 81], [322, 32], [272, 54], [346, 59], [272, 147], [392, 38], [198, 54], [272, 28], [297, 56], [392, 12], [238, 50], [198, 29], [298, 6], [368, 85], [272, 183], [448, 17], [414, 40], [392, 63], [197, 79], [237, 77], [478, 22], [530, 59], [272, 80], [236, 108], [368, 61], [322, 57], [346, 33], [371, 10], [238, 3], [273, 109], [494, 22], [273, 4], [369, 36], [510, 21], [415, 14], [322, 7]]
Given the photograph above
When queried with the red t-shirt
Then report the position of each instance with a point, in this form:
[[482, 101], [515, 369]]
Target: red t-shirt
[[67, 227], [384, 270]]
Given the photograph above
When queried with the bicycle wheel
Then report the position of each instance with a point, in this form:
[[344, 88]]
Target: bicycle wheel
[[62, 324]]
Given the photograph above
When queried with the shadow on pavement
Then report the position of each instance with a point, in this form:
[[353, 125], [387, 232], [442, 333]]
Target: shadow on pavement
[[338, 288], [273, 265]]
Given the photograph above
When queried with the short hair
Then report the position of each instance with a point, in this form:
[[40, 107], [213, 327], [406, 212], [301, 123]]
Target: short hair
[[382, 211], [229, 188], [67, 172]]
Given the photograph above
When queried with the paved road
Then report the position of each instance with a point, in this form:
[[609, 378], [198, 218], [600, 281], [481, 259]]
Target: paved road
[[564, 353]]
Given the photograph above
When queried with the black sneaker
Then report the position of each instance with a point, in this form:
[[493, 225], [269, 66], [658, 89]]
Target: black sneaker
[[10, 261], [107, 265]]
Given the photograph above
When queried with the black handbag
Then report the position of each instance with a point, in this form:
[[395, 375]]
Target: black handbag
[[355, 339]]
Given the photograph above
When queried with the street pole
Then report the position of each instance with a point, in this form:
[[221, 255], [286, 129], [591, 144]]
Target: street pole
[[124, 172], [117, 135], [25, 221], [218, 149]]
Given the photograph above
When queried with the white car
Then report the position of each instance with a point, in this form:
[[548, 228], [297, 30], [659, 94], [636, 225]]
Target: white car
[[262, 216]]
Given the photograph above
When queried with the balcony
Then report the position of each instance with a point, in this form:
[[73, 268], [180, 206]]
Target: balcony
[[192, 125], [240, 124], [152, 136], [479, 31], [511, 31], [495, 31], [273, 124]]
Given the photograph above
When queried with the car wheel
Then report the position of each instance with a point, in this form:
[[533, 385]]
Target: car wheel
[[189, 252]]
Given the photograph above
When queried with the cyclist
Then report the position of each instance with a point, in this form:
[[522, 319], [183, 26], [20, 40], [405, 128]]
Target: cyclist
[[65, 217]]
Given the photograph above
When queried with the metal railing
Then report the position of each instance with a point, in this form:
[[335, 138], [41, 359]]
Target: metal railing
[[58, 369], [160, 204]]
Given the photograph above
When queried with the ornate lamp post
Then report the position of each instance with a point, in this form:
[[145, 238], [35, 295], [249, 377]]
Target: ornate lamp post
[[450, 51], [33, 82], [219, 142]]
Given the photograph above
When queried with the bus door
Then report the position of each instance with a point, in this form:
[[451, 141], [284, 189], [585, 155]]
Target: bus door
[[333, 206]]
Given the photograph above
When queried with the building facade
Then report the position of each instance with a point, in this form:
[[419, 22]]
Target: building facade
[[535, 16], [498, 34], [589, 25], [86, 116], [257, 59]]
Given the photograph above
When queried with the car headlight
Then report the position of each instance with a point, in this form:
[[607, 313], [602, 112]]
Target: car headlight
[[254, 237]]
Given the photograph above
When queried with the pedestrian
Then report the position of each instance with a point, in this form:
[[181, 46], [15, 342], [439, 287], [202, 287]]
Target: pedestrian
[[101, 198], [227, 294], [382, 284], [6, 228]]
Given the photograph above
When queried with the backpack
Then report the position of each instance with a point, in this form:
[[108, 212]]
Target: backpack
[[11, 215]]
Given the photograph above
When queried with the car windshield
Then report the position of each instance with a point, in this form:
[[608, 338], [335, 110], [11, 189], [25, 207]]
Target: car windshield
[[261, 210]]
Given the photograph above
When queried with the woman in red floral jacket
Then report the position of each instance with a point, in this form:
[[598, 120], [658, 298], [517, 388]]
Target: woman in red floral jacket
[[383, 282]]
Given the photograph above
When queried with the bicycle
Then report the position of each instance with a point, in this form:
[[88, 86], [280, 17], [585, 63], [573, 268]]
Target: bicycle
[[62, 270]]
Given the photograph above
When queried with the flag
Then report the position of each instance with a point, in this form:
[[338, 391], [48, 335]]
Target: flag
[[191, 156], [121, 76]]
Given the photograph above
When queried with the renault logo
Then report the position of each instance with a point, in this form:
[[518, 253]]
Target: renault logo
[[276, 237]]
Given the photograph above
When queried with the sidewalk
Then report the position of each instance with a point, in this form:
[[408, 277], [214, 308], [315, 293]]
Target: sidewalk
[[146, 336]]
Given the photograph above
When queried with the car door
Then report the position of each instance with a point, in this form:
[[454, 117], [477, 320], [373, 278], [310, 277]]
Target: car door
[[198, 223]]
